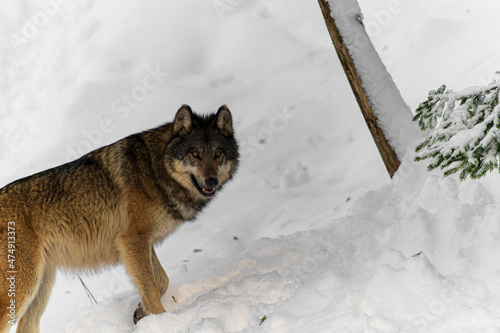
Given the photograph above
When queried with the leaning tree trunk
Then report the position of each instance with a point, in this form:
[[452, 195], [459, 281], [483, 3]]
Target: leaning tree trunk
[[361, 45]]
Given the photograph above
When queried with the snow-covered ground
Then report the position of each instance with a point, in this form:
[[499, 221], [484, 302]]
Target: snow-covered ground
[[312, 234]]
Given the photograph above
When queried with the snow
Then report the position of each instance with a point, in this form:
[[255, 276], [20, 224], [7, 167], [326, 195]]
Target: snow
[[311, 233], [393, 114], [458, 135]]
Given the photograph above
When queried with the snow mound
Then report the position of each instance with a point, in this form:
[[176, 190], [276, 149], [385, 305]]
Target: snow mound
[[417, 255]]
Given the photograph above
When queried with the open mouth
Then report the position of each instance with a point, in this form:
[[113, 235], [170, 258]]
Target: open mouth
[[208, 192]]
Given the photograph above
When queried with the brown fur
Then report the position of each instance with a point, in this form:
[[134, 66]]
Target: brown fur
[[110, 207]]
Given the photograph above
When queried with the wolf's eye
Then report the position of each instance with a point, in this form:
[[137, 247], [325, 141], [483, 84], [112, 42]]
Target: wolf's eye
[[218, 154], [195, 154]]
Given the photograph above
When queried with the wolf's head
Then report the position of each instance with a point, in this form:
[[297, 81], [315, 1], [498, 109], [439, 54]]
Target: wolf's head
[[203, 153]]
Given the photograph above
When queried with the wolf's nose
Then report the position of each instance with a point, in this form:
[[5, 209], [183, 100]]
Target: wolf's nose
[[211, 182]]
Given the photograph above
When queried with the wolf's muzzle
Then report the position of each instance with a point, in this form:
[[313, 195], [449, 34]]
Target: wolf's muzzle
[[208, 189], [211, 182]]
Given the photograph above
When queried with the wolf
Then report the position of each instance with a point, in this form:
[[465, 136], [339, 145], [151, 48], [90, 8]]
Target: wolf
[[110, 207]]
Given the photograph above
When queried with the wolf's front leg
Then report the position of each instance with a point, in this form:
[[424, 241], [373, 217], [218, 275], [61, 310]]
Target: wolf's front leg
[[162, 282], [135, 253]]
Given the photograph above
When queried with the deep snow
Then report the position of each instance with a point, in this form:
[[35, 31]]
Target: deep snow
[[311, 233]]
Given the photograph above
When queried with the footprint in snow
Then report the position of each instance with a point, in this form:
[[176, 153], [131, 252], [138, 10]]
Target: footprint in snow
[[294, 176]]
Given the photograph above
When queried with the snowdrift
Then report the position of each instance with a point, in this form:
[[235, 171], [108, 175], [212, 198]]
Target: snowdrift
[[417, 255]]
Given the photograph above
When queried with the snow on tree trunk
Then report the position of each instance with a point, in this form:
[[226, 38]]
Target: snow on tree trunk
[[387, 115]]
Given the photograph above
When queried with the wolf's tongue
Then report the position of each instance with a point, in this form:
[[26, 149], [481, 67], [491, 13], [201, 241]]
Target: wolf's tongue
[[206, 190]]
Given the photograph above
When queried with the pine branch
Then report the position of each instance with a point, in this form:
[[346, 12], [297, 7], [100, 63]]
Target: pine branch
[[464, 130]]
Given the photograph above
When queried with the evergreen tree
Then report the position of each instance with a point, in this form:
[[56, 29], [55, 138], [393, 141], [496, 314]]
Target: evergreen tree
[[464, 130]]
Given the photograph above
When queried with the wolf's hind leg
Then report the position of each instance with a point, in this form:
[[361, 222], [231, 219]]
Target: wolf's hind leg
[[30, 321], [20, 284]]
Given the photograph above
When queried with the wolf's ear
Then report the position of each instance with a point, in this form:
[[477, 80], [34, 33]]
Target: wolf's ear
[[224, 121], [183, 120]]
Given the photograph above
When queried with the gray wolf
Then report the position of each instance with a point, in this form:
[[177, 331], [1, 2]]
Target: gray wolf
[[110, 207]]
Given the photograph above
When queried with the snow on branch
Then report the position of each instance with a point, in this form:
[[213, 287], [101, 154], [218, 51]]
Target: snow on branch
[[465, 131]]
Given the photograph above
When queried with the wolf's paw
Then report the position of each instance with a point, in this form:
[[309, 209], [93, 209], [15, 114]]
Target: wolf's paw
[[139, 313]]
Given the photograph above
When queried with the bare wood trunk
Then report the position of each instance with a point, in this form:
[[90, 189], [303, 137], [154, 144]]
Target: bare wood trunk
[[386, 151]]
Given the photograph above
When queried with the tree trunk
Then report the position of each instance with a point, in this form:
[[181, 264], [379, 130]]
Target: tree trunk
[[389, 157]]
